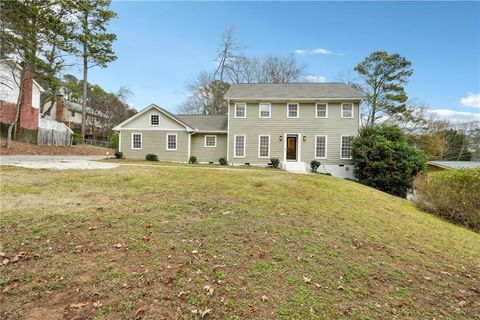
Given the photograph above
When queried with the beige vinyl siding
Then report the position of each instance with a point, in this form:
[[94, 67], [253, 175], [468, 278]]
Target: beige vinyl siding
[[143, 122], [209, 154], [307, 124], [155, 141]]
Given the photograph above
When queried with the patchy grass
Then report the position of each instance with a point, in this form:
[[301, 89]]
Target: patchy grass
[[169, 243]]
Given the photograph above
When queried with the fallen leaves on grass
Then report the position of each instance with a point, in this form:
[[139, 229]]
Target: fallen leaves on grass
[[306, 279], [208, 289], [264, 298], [78, 305], [21, 256], [10, 287]]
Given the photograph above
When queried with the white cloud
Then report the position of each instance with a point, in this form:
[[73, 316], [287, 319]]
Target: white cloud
[[454, 116], [311, 78], [473, 100], [320, 51]]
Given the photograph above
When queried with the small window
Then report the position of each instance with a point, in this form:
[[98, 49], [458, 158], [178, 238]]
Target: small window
[[346, 147], [239, 146], [321, 147], [322, 110], [154, 119], [136, 141], [263, 146], [171, 141], [292, 110], [347, 110], [73, 113], [210, 141], [240, 110], [264, 110]]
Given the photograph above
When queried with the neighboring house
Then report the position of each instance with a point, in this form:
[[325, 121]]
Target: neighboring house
[[451, 165], [70, 113], [295, 123], [27, 125]]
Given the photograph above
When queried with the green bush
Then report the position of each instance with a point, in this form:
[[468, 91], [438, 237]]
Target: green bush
[[192, 160], [114, 140], [275, 162], [384, 159], [314, 165], [451, 194], [151, 157], [76, 138], [223, 161], [118, 154]]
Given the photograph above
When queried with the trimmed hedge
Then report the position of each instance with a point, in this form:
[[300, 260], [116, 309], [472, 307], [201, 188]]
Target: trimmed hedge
[[451, 194], [151, 157]]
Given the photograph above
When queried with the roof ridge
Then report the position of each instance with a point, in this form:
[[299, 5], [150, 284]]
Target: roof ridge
[[289, 83]]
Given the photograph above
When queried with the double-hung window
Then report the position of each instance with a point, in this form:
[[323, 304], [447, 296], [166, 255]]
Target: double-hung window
[[136, 141], [210, 141], [322, 110], [239, 146], [264, 110], [171, 141], [346, 147], [240, 110], [321, 147], [292, 110], [264, 146], [154, 119], [347, 110]]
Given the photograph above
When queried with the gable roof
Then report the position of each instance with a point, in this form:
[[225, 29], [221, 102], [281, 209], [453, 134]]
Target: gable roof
[[73, 106], [160, 109], [206, 123], [455, 164], [277, 91]]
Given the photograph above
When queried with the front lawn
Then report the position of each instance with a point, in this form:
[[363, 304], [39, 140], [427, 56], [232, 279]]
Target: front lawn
[[170, 243]]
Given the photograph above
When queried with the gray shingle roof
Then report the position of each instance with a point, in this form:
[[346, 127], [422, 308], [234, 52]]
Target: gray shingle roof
[[292, 91], [205, 122], [73, 106], [455, 164]]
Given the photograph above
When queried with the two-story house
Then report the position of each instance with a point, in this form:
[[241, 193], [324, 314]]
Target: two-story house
[[295, 123]]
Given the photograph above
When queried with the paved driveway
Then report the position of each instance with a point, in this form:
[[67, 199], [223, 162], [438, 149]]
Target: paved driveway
[[57, 162]]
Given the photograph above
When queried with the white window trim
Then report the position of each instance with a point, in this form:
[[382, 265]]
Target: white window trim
[[269, 110], [166, 141], [353, 111], [141, 140], [298, 110], [269, 144], [326, 110], [235, 113], [341, 145], [150, 118], [205, 141], [326, 146], [235, 145]]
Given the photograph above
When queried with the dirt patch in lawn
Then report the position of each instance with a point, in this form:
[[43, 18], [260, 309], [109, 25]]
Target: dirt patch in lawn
[[22, 148]]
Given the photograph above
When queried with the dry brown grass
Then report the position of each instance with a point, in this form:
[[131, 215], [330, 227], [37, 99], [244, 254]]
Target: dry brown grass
[[22, 148], [146, 243]]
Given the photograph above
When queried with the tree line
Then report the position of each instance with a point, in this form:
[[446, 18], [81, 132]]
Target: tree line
[[46, 36]]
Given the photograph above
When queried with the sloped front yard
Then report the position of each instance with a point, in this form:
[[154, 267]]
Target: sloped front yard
[[167, 243]]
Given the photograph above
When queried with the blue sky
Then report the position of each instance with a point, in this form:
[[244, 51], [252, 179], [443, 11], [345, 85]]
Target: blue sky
[[163, 45]]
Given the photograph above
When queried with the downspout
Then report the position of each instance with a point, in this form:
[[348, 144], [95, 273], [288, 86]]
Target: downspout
[[189, 151], [228, 131]]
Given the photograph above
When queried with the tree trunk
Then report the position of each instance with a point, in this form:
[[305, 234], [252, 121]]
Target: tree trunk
[[14, 122], [84, 101]]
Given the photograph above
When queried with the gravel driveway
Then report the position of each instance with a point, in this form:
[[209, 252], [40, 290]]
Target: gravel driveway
[[57, 162]]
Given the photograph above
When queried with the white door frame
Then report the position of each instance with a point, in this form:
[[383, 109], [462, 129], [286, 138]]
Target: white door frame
[[299, 146]]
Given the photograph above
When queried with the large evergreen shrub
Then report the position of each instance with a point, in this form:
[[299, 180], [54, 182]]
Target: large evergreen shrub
[[384, 159]]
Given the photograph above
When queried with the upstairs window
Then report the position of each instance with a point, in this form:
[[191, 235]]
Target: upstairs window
[[171, 141], [322, 110], [136, 141], [347, 110], [292, 110], [264, 110], [239, 146], [72, 113], [210, 141], [240, 110], [154, 119], [321, 147], [346, 147], [263, 146]]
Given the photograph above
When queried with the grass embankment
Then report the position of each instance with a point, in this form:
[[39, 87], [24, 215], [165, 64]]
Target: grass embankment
[[166, 243]]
